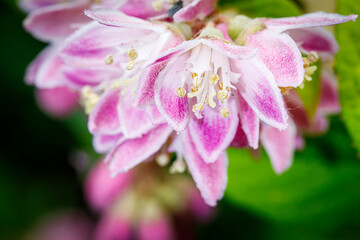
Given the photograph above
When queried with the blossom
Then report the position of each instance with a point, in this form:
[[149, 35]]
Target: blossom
[[141, 203]]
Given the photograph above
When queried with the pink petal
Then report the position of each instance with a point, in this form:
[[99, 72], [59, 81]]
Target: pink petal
[[110, 228], [198, 207], [140, 8], [33, 68], [56, 22], [240, 140], [104, 118], [329, 98], [31, 5], [223, 27], [145, 90], [210, 178], [155, 229], [212, 134], [279, 145], [133, 151], [134, 121], [281, 56], [101, 189], [103, 143], [58, 102], [118, 19], [174, 109], [154, 115], [317, 19], [197, 9], [250, 123], [257, 86], [314, 39]]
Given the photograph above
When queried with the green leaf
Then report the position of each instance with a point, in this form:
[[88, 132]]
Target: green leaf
[[348, 68], [310, 94], [263, 8], [323, 182]]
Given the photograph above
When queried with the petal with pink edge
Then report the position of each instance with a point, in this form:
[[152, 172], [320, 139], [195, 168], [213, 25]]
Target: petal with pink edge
[[104, 118], [210, 178], [281, 56], [134, 151], [154, 115], [212, 134], [240, 140], [258, 88], [314, 39], [279, 145], [103, 143], [55, 22], [250, 123], [174, 109], [58, 102], [101, 189], [317, 19], [35, 65], [118, 19], [197, 9]]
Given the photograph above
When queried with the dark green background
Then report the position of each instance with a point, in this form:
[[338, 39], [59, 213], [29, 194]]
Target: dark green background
[[318, 198]]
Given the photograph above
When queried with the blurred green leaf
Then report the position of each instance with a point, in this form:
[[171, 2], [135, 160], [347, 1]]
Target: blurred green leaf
[[309, 194], [264, 8], [310, 94], [348, 68]]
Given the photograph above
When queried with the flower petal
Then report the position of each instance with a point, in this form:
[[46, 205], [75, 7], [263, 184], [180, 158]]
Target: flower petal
[[210, 178], [55, 22], [329, 98], [118, 19], [197, 9], [174, 109], [140, 8], [257, 86], [133, 151], [104, 118], [159, 228], [281, 56], [212, 134], [279, 145], [58, 102], [103, 143], [33, 68], [110, 227], [314, 39], [101, 190], [317, 19], [250, 123], [240, 140]]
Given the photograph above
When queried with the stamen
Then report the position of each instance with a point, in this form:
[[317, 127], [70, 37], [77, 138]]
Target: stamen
[[181, 92], [306, 62], [132, 57], [157, 5], [214, 79], [109, 59], [222, 95], [221, 85], [162, 159], [88, 99], [313, 57], [178, 166], [225, 112]]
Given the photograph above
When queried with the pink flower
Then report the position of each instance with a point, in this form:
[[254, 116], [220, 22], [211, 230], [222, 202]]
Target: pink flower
[[179, 10], [141, 207]]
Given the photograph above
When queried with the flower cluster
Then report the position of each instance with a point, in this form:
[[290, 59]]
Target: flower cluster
[[175, 76]]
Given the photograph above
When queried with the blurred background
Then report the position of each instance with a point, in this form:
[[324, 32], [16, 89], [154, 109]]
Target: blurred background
[[318, 198]]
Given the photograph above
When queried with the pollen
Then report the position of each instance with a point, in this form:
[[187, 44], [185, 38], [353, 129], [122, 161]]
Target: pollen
[[225, 112], [313, 57], [132, 55], [181, 92], [222, 94], [221, 85], [214, 79], [109, 59]]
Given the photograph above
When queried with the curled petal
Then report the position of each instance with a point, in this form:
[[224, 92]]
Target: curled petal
[[212, 134], [281, 56], [258, 88], [314, 39], [210, 178], [318, 19], [58, 21], [279, 145], [104, 118], [197, 9], [103, 143], [134, 151]]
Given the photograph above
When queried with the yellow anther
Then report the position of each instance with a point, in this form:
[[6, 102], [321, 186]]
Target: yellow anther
[[109, 59], [214, 79], [306, 62], [195, 108], [225, 112], [132, 55], [116, 85], [130, 65], [194, 89], [88, 99], [157, 5], [181, 92], [194, 76], [285, 90], [313, 57], [221, 85], [309, 71], [222, 94]]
